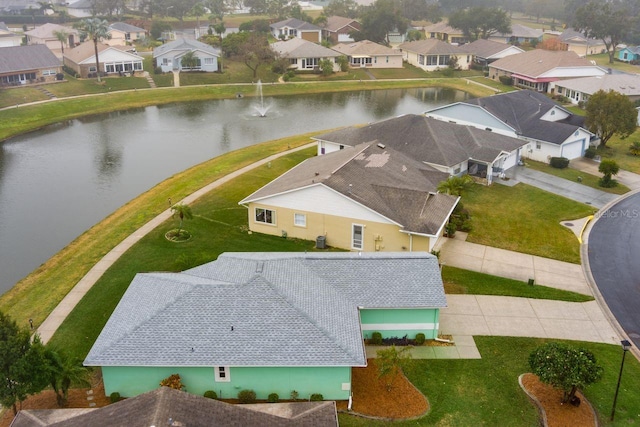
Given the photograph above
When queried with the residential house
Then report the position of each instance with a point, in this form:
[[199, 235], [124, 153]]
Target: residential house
[[443, 31], [114, 60], [123, 34], [575, 41], [549, 129], [579, 90], [45, 34], [519, 34], [338, 29], [8, 38], [368, 54], [629, 54], [21, 65], [539, 69], [83, 9], [168, 55], [487, 51], [305, 55], [293, 27], [447, 147], [269, 322], [434, 54]]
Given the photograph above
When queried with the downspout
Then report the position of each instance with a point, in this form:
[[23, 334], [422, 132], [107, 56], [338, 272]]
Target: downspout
[[410, 242]]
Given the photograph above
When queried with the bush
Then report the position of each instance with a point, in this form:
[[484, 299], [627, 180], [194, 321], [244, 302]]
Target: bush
[[316, 397], [506, 80], [294, 395], [157, 70], [173, 381], [114, 397], [273, 398], [420, 338], [590, 152], [559, 162], [247, 396], [211, 394], [376, 338]]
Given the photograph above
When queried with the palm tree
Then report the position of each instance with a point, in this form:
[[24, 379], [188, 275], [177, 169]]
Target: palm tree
[[65, 370], [183, 211], [456, 185], [219, 28], [96, 29], [62, 37], [189, 60]]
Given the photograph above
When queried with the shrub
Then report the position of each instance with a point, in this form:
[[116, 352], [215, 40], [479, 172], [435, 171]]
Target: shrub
[[247, 396], [316, 397], [273, 398], [294, 395], [157, 70], [376, 338], [590, 152], [559, 162], [211, 394], [506, 80], [634, 148], [174, 381], [420, 338], [114, 397]]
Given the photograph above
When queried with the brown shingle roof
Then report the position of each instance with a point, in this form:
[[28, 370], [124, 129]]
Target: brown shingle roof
[[432, 47], [336, 23], [538, 61], [364, 47]]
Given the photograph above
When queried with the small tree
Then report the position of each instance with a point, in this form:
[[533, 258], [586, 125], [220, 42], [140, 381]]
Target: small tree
[[610, 113], [173, 381], [62, 36], [182, 211], [389, 361], [189, 60], [326, 67], [64, 371], [565, 368], [97, 30], [608, 168], [634, 148], [456, 185], [344, 63]]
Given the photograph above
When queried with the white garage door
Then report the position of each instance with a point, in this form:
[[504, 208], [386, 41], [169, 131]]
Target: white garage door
[[573, 150]]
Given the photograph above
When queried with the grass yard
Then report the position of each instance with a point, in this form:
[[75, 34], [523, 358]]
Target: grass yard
[[22, 95], [459, 281], [74, 87], [493, 83], [486, 391], [618, 149], [603, 61], [524, 219], [573, 174], [233, 72]]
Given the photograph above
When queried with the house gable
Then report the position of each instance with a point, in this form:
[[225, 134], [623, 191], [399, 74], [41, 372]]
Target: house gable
[[465, 114]]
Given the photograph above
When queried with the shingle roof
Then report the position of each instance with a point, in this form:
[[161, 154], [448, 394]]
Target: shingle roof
[[262, 309], [364, 47], [523, 109], [536, 62], [45, 31], [126, 28], [432, 47], [336, 23], [83, 51], [484, 48], [572, 36], [522, 31], [26, 58], [158, 406], [441, 27], [299, 48], [295, 23], [185, 45]]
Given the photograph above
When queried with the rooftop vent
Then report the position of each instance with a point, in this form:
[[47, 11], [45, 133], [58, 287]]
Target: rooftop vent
[[380, 145]]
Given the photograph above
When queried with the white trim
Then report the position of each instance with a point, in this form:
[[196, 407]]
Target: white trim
[[303, 224], [226, 371], [353, 226], [394, 326], [273, 216]]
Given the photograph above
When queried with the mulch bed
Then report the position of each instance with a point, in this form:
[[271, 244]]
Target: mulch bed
[[371, 398], [550, 400]]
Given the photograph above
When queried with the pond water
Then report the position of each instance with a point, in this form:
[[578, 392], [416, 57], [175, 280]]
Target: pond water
[[58, 182]]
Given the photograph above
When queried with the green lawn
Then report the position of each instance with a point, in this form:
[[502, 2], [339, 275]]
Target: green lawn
[[74, 87], [459, 281], [603, 61], [618, 149], [493, 83], [524, 219], [573, 174], [21, 95], [485, 392]]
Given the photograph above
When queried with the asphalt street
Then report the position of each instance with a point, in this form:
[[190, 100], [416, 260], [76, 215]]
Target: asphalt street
[[614, 257]]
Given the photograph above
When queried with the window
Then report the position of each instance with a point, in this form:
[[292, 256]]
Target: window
[[356, 236], [299, 220], [208, 61], [265, 216], [538, 145], [222, 374], [92, 69], [444, 60], [166, 61], [421, 59], [432, 59]]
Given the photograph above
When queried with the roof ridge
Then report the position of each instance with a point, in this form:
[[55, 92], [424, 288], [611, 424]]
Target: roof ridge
[[366, 145]]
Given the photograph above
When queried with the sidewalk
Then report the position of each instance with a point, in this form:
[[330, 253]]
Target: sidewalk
[[630, 179]]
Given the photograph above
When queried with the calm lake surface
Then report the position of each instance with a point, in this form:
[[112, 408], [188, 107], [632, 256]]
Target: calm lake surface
[[58, 182]]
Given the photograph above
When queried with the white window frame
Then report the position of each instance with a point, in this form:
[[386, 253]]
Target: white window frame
[[226, 374], [299, 220], [273, 216], [538, 145], [354, 242]]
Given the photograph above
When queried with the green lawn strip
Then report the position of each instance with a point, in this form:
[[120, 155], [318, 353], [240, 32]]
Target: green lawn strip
[[524, 219], [74, 87], [486, 391], [459, 281], [493, 83], [573, 174], [21, 95], [39, 293], [618, 149], [219, 225]]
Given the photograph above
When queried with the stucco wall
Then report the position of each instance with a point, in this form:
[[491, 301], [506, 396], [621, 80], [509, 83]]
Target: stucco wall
[[400, 322]]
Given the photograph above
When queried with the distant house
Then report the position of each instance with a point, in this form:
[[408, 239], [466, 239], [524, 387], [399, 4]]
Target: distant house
[[82, 8], [114, 60], [269, 322], [434, 54], [293, 27], [539, 69], [582, 88], [447, 147], [368, 54], [304, 55], [444, 32], [45, 34], [548, 129], [8, 38], [575, 41], [123, 34], [629, 53], [519, 34], [486, 51], [21, 65], [168, 56], [338, 29]]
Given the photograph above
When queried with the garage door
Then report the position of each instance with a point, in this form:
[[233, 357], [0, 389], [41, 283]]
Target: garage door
[[310, 36], [573, 150]]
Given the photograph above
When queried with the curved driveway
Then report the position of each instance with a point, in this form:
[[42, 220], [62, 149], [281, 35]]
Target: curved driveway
[[614, 258]]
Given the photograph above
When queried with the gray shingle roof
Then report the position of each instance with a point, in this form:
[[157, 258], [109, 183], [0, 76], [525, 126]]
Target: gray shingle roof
[[286, 309], [126, 28], [27, 58], [158, 406], [184, 45], [536, 62], [299, 48], [626, 84], [484, 48], [365, 47], [431, 47], [297, 24], [522, 31], [523, 109]]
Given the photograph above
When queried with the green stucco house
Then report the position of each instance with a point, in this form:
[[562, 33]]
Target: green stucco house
[[270, 322]]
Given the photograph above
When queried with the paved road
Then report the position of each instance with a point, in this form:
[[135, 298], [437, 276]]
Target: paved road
[[614, 258]]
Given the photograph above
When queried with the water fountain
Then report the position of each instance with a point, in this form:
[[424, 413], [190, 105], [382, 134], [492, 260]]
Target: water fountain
[[261, 108]]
